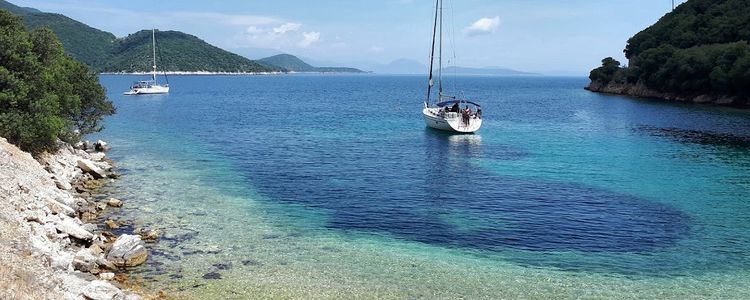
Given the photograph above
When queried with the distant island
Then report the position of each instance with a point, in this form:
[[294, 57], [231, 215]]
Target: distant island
[[698, 53], [291, 63], [177, 52]]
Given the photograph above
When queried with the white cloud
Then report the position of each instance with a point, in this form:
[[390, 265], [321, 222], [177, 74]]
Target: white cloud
[[309, 38], [254, 30], [376, 49], [230, 19], [483, 26], [287, 27]]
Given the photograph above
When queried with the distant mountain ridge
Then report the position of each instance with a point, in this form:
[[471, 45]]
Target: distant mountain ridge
[[493, 71], [292, 63], [103, 52], [407, 67]]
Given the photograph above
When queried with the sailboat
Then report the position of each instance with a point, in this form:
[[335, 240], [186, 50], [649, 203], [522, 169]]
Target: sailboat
[[146, 87], [448, 113]]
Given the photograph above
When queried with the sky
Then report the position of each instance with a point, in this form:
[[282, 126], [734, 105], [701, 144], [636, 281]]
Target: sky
[[549, 37]]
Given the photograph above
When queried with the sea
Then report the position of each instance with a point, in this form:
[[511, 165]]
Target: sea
[[307, 186]]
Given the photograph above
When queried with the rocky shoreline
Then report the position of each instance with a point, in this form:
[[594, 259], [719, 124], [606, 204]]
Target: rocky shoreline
[[641, 91], [52, 247]]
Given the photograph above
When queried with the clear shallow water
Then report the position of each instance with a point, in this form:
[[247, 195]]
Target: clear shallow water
[[331, 187]]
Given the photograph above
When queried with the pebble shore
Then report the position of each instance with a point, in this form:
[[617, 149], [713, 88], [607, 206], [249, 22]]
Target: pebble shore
[[51, 244]]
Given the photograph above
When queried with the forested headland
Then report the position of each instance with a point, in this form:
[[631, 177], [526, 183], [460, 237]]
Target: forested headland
[[697, 53]]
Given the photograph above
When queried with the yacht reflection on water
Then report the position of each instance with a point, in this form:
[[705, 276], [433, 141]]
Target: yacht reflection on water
[[445, 145]]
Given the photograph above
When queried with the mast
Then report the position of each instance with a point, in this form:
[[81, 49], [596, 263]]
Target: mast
[[153, 45], [432, 53], [440, 56]]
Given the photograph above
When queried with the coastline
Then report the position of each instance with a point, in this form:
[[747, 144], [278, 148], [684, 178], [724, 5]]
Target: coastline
[[641, 91], [206, 73], [48, 211]]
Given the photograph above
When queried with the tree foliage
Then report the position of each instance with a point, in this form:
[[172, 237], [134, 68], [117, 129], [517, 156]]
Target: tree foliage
[[606, 72], [700, 48], [45, 95]]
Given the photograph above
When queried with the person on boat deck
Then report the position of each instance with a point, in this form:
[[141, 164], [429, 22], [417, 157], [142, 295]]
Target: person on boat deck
[[466, 114], [455, 107]]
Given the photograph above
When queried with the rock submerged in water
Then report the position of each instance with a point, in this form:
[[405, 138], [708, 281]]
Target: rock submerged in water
[[112, 224], [128, 251], [212, 275], [148, 235], [114, 202]]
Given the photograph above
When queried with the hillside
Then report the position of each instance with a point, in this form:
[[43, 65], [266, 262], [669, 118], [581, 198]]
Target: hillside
[[103, 52], [86, 44], [697, 53], [177, 51], [294, 64]]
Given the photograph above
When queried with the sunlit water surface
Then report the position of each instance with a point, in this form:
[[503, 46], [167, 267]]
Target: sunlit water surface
[[302, 186]]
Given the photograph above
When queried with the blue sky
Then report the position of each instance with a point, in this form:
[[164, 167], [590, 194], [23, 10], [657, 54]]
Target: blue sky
[[550, 37]]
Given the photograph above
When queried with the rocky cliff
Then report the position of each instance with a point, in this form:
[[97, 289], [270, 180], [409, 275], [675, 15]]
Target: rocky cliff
[[640, 90]]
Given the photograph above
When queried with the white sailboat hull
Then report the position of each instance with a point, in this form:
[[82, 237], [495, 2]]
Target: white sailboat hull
[[154, 89], [450, 121], [149, 87]]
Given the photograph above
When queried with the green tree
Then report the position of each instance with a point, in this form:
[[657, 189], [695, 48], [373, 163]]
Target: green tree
[[606, 72], [45, 96]]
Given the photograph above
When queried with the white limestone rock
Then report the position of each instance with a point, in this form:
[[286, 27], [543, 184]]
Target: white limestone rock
[[128, 251], [114, 202], [70, 227], [102, 290], [107, 276], [84, 260], [98, 156], [91, 168]]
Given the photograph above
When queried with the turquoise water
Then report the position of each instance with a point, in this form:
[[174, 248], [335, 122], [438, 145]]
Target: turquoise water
[[331, 187]]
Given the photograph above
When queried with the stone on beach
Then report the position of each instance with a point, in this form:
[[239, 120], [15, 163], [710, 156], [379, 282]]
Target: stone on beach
[[107, 276], [102, 290], [99, 156], [128, 251], [91, 168], [85, 260], [68, 226], [63, 185], [59, 208], [101, 146]]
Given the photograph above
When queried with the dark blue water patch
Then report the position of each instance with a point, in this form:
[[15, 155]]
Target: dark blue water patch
[[699, 137], [527, 215], [432, 193]]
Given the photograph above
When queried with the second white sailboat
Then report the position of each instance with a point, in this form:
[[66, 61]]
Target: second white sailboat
[[146, 87]]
